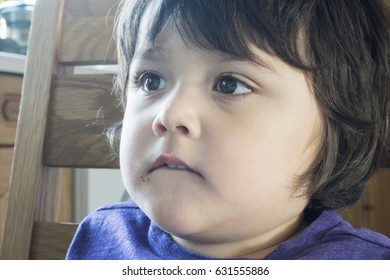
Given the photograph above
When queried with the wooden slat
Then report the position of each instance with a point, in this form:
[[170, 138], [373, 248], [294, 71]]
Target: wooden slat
[[82, 106], [87, 30], [50, 241], [48, 196], [27, 166], [66, 212]]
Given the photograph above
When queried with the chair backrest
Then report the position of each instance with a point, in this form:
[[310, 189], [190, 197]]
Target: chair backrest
[[59, 123]]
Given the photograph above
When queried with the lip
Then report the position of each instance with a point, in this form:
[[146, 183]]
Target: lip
[[171, 162]]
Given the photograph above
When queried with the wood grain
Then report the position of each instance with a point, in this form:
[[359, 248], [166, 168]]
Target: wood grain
[[50, 241], [87, 32], [373, 209], [66, 197], [27, 166], [82, 106]]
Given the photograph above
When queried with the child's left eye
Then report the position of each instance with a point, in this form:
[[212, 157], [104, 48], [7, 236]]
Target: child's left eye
[[230, 85]]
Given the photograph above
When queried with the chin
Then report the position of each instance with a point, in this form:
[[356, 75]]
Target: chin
[[178, 223]]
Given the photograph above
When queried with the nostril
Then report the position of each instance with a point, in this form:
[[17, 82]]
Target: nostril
[[162, 125], [183, 129], [159, 129]]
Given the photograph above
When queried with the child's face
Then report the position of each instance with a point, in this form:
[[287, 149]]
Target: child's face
[[211, 146]]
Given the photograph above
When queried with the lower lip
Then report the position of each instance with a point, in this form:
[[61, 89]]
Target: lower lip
[[166, 168], [172, 169]]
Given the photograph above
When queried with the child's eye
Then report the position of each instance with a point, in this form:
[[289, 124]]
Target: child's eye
[[150, 81], [230, 85]]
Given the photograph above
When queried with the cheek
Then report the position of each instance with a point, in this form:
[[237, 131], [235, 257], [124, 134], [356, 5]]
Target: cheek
[[264, 160], [132, 148], [251, 177], [126, 154], [245, 163]]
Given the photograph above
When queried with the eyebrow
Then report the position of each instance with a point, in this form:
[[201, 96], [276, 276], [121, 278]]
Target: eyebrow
[[151, 54], [259, 62], [156, 54]]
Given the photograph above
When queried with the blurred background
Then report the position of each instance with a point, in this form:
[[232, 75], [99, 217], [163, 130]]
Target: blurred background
[[15, 21], [87, 189]]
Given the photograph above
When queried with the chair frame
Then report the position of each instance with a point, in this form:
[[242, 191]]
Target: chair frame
[[31, 227]]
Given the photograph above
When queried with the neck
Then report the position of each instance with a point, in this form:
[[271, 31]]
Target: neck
[[256, 247]]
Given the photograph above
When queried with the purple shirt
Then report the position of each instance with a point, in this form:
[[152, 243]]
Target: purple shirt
[[122, 231]]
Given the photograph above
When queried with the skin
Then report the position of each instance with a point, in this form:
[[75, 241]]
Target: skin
[[244, 132]]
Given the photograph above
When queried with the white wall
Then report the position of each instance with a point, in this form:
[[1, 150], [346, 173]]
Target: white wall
[[94, 188]]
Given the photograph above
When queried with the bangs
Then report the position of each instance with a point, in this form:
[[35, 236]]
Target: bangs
[[229, 32], [231, 27]]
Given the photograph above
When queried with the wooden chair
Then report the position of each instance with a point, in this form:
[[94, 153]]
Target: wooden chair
[[58, 122]]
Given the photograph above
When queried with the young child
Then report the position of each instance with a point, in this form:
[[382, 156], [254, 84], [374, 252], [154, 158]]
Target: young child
[[247, 125]]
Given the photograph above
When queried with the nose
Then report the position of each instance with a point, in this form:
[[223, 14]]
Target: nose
[[179, 115]]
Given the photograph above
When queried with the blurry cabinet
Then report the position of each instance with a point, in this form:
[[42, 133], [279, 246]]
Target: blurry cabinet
[[10, 88]]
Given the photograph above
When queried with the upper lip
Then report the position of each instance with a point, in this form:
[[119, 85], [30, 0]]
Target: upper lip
[[171, 162]]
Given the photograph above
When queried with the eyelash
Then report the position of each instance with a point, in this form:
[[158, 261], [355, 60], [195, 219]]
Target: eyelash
[[233, 77], [140, 76]]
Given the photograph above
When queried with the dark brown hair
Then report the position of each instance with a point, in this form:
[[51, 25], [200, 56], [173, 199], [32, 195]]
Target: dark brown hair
[[341, 45]]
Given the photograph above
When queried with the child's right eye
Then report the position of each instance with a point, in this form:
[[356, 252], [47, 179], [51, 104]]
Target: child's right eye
[[150, 81]]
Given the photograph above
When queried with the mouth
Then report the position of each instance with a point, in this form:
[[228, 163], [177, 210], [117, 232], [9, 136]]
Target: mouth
[[171, 163]]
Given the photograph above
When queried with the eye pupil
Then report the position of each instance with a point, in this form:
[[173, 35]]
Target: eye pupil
[[228, 85], [152, 82]]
